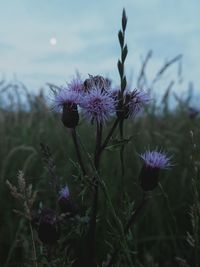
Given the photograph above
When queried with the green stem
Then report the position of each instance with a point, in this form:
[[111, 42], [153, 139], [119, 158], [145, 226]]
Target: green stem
[[92, 226], [74, 136], [110, 134]]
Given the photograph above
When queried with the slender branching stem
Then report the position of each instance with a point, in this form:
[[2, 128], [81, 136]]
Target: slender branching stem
[[110, 134], [121, 130], [92, 226], [78, 153], [130, 222]]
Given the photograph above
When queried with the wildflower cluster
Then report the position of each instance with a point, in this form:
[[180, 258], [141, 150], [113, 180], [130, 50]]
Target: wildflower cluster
[[96, 100]]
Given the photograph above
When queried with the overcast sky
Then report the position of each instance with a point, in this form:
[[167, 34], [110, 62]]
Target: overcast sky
[[86, 36]]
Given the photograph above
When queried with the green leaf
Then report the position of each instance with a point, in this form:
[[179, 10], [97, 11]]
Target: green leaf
[[121, 38], [124, 20], [120, 68], [117, 144], [124, 53]]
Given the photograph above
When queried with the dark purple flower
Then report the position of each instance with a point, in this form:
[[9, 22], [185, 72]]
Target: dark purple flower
[[97, 105], [192, 113], [48, 227], [154, 161]]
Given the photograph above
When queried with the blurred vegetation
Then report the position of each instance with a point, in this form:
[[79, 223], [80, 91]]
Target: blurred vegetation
[[166, 233]]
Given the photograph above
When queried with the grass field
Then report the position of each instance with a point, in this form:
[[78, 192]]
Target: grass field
[[166, 233]]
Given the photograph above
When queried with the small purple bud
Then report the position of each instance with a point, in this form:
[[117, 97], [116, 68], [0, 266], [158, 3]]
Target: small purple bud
[[65, 203], [192, 113]]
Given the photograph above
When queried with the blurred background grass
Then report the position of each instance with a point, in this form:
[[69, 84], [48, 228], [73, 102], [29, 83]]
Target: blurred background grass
[[160, 236]]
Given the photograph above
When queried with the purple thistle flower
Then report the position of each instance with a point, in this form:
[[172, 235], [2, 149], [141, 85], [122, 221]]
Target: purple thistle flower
[[135, 101], [66, 96], [154, 161], [64, 192], [98, 105]]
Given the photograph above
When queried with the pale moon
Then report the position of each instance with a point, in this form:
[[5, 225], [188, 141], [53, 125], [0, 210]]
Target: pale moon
[[53, 41]]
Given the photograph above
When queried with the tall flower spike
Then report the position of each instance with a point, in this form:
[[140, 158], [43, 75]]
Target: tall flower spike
[[67, 100], [154, 161], [98, 105]]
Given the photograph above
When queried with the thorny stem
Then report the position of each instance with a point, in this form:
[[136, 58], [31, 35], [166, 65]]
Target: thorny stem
[[130, 222], [33, 244], [92, 226], [73, 132]]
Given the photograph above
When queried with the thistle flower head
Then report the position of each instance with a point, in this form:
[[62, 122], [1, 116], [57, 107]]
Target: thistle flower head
[[155, 159], [97, 105], [135, 101], [66, 97]]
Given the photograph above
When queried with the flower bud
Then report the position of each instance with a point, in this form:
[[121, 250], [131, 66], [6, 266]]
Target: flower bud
[[70, 116]]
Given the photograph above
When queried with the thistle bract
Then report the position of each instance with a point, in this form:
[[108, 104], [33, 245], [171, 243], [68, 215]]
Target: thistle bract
[[65, 203], [154, 161]]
